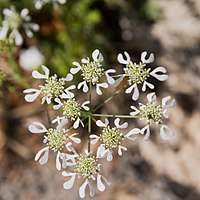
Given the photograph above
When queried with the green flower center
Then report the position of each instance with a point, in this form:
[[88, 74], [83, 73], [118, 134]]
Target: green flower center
[[136, 73], [55, 139], [87, 166], [152, 113], [71, 109], [53, 87], [111, 137], [14, 20], [92, 72]]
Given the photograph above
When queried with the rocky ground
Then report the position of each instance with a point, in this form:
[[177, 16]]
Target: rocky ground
[[152, 170]]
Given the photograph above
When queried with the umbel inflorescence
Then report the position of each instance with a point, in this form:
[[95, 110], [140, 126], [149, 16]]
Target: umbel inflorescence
[[61, 133]]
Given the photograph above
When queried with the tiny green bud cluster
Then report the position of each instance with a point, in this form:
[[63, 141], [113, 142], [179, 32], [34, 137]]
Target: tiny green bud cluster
[[53, 87], [111, 137], [87, 166], [136, 73], [71, 109], [92, 72], [152, 113], [56, 139]]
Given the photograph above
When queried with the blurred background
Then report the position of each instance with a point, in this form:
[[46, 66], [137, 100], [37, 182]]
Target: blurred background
[[152, 170]]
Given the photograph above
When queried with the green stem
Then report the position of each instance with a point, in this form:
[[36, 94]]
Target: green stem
[[117, 116], [89, 117], [110, 98]]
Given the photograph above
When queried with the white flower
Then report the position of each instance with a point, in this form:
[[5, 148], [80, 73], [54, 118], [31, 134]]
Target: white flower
[[92, 71], [40, 3], [30, 58], [12, 23], [56, 140], [154, 114], [71, 109], [112, 138], [86, 168], [53, 87], [137, 73]]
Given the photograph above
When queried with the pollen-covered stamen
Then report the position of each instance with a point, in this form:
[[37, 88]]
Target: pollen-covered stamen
[[53, 87], [14, 20], [136, 73], [87, 166], [111, 137], [71, 109], [152, 113], [92, 71], [56, 139]]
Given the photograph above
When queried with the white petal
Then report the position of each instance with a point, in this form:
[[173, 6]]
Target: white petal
[[97, 56], [168, 105], [75, 139], [24, 12], [110, 79], [61, 123], [135, 95], [18, 38], [75, 70], [69, 184], [69, 77], [44, 158], [122, 60], [99, 123], [148, 60], [3, 31], [151, 97], [85, 61], [85, 87], [31, 97], [98, 85], [37, 127], [109, 155], [129, 89], [94, 139], [160, 77], [84, 105], [165, 132], [120, 150], [76, 123], [38, 75], [57, 100], [58, 164], [123, 126], [82, 189], [146, 131], [101, 187], [100, 151], [135, 112], [151, 86], [118, 81], [132, 133]]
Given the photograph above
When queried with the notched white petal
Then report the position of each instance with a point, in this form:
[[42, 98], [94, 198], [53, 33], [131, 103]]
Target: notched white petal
[[148, 60], [166, 132], [42, 159], [158, 73], [98, 85], [31, 97], [120, 150], [122, 60], [131, 134], [69, 184], [37, 127], [94, 139]]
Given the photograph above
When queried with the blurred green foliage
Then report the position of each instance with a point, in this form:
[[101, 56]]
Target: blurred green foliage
[[76, 28]]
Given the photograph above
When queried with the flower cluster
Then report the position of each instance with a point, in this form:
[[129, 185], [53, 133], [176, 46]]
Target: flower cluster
[[58, 93], [40, 3], [13, 22]]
